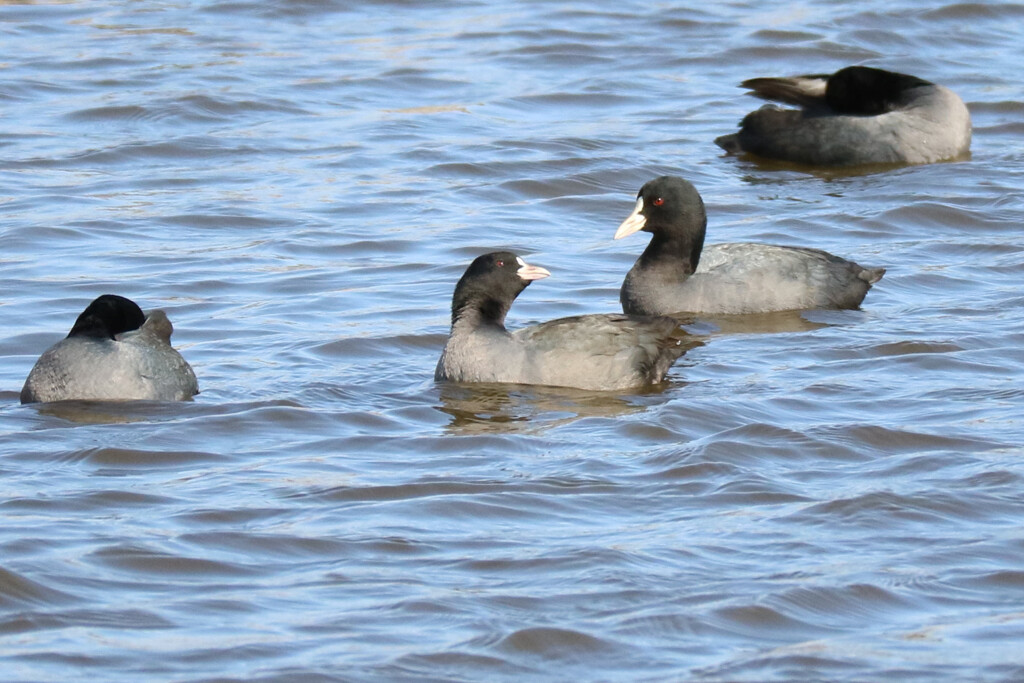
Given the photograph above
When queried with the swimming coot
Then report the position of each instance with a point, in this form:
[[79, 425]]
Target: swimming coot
[[677, 273], [114, 352], [858, 115], [595, 352]]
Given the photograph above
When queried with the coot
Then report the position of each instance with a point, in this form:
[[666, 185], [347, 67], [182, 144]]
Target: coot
[[114, 352], [595, 352], [677, 273], [858, 115]]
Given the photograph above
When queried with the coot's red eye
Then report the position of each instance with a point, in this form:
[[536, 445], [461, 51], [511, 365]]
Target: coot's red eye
[[501, 264], [658, 202]]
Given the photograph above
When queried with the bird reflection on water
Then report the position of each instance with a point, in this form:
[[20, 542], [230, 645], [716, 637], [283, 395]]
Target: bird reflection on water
[[520, 408]]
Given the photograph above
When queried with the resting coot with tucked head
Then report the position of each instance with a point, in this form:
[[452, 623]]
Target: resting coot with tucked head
[[858, 115], [677, 274], [595, 352], [114, 352]]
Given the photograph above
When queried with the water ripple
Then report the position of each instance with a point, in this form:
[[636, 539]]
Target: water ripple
[[822, 495]]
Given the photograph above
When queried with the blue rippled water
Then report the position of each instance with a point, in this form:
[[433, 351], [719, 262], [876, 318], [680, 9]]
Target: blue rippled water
[[833, 495]]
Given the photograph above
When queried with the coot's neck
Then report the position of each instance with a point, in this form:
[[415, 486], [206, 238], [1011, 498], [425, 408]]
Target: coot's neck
[[480, 310], [676, 250]]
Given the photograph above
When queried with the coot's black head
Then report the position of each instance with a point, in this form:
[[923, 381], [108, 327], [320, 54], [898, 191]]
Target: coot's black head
[[865, 91], [665, 204], [490, 285], [670, 208], [108, 316]]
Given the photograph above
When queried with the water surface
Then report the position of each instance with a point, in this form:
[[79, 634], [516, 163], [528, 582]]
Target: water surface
[[828, 496]]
